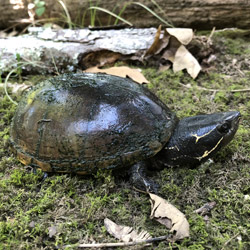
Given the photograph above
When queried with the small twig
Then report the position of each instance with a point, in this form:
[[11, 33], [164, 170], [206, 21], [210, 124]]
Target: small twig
[[201, 88], [120, 244], [229, 240], [239, 90], [44, 120], [206, 208], [35, 63], [226, 29], [139, 190], [215, 90]]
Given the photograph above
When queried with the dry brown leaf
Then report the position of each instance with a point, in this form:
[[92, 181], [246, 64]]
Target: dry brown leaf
[[124, 233], [164, 42], [100, 58], [164, 67], [121, 71], [171, 48], [185, 60], [159, 43], [184, 35], [154, 47], [170, 216], [169, 54]]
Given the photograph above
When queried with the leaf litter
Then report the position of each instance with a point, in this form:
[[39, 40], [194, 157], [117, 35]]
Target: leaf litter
[[122, 71], [168, 47], [125, 233], [168, 215], [163, 212], [171, 48]]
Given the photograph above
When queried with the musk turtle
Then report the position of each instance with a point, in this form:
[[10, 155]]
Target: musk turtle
[[83, 122]]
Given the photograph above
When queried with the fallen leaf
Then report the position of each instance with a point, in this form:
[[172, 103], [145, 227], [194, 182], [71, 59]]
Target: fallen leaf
[[184, 35], [124, 233], [170, 46], [52, 231], [165, 221], [32, 224], [169, 54], [185, 60], [152, 49], [170, 216], [164, 67], [159, 43], [121, 71], [99, 58]]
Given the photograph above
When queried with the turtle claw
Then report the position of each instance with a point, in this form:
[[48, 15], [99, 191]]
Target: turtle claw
[[153, 187], [147, 186], [140, 180]]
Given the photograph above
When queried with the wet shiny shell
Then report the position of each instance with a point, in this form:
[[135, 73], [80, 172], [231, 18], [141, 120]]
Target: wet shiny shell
[[82, 122]]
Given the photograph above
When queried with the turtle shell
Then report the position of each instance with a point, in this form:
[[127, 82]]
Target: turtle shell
[[82, 122]]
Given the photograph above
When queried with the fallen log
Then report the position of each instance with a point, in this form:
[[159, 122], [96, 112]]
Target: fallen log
[[196, 14], [47, 51]]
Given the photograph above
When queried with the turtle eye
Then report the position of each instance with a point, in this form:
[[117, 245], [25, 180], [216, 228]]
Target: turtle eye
[[224, 128]]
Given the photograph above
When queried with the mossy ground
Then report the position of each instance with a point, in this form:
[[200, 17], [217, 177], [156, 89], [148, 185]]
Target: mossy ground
[[67, 209]]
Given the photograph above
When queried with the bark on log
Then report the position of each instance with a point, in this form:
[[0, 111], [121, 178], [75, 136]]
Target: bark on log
[[197, 14], [48, 51]]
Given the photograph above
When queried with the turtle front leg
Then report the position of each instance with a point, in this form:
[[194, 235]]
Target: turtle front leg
[[140, 180]]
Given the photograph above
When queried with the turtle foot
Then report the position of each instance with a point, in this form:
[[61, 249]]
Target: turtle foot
[[140, 180]]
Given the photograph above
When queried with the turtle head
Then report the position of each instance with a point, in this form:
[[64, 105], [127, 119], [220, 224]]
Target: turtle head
[[197, 138]]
